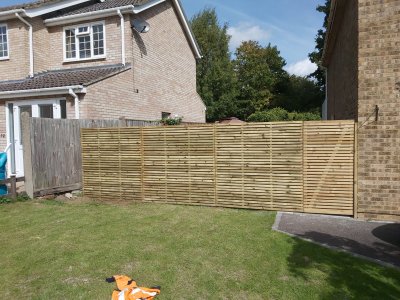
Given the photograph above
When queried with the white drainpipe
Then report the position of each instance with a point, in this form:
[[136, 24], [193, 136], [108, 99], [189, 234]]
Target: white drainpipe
[[76, 103], [122, 36], [31, 70]]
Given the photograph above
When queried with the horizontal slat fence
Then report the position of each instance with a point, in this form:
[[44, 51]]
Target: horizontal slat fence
[[289, 166], [329, 167]]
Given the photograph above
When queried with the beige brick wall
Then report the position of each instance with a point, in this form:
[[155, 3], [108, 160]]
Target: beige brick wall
[[48, 47], [343, 67], [110, 98], [164, 67], [164, 73], [17, 66], [113, 46], [379, 78]]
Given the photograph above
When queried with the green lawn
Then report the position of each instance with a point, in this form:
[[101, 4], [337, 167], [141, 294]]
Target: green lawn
[[54, 250]]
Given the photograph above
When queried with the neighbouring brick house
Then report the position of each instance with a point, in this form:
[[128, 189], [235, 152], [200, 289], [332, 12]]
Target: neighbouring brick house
[[95, 59], [362, 56]]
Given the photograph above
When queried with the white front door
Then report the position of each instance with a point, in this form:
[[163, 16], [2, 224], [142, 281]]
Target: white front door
[[37, 109]]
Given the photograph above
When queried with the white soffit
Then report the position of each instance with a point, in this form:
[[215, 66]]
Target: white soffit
[[45, 9]]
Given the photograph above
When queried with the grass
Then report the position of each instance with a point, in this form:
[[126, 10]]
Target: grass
[[55, 250]]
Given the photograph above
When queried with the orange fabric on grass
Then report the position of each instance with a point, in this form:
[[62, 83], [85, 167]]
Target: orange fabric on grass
[[128, 290]]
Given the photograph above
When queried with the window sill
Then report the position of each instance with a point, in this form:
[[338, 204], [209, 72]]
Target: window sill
[[69, 61], [4, 58]]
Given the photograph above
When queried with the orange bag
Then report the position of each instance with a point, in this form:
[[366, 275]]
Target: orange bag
[[128, 289]]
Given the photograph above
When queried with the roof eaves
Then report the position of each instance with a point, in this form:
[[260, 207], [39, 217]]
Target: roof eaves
[[88, 15], [12, 94], [195, 46], [334, 22], [37, 8]]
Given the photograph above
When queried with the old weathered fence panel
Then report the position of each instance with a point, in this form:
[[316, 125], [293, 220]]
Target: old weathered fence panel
[[139, 123], [272, 166], [52, 157]]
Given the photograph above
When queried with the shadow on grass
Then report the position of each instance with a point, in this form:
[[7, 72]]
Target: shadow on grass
[[348, 277]]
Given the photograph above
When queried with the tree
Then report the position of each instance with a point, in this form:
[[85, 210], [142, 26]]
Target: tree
[[216, 81], [299, 94], [259, 72], [316, 56], [278, 114]]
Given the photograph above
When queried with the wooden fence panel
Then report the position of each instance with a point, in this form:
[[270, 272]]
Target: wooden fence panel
[[289, 166], [138, 123], [329, 167], [55, 153]]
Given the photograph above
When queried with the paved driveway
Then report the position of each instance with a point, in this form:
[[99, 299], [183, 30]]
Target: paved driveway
[[377, 241]]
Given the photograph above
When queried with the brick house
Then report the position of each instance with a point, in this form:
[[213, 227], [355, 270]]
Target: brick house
[[362, 57], [95, 59]]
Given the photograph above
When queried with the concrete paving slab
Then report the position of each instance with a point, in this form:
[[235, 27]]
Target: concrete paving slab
[[373, 240]]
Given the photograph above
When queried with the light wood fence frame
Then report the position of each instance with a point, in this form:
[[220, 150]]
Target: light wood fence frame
[[287, 166]]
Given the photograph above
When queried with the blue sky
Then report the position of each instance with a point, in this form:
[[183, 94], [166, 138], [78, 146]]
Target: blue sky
[[290, 24]]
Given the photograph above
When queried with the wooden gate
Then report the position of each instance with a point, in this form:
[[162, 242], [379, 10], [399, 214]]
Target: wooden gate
[[288, 166]]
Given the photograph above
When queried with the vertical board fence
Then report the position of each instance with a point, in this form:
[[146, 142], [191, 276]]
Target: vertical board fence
[[52, 152], [289, 166]]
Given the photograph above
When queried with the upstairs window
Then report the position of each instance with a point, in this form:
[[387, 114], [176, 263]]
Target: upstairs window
[[84, 42], [3, 42]]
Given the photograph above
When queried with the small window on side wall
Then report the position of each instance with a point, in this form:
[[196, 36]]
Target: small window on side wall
[[4, 52], [165, 115]]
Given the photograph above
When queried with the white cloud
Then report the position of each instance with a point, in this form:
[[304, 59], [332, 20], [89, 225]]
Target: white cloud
[[301, 68], [245, 32]]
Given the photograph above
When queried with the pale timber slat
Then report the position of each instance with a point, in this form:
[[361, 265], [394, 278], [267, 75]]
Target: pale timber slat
[[292, 166]]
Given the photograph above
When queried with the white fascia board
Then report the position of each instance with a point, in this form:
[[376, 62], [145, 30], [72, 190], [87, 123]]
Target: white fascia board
[[146, 6], [43, 92], [10, 14], [182, 17], [188, 31], [45, 9], [88, 16]]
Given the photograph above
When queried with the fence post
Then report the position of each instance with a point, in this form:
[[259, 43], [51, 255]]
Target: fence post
[[13, 186], [27, 150], [122, 122], [355, 175]]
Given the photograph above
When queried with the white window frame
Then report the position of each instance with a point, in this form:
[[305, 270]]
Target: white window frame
[[92, 56], [8, 43], [35, 113]]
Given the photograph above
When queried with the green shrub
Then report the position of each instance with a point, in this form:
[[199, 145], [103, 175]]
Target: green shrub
[[20, 198], [4, 200], [172, 121], [272, 115], [280, 114], [306, 116]]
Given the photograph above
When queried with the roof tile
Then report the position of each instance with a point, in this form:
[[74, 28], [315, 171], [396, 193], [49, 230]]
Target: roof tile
[[29, 5], [102, 6], [61, 78]]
